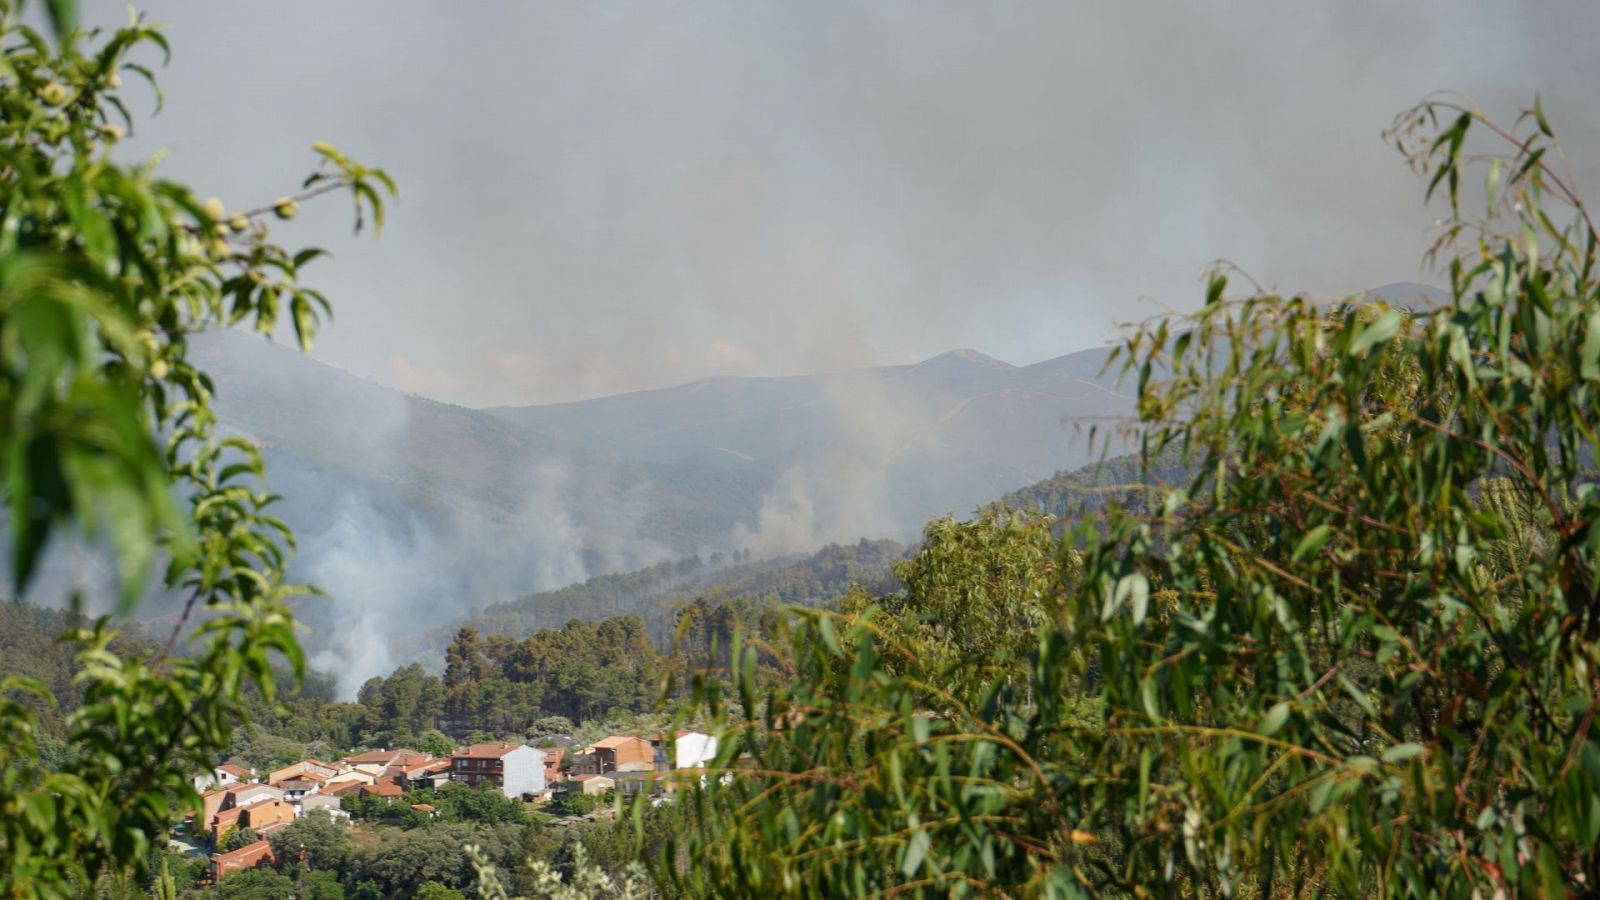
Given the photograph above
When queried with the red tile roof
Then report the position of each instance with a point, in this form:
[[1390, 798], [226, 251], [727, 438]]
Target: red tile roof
[[485, 751], [236, 771], [246, 857], [422, 769], [383, 789]]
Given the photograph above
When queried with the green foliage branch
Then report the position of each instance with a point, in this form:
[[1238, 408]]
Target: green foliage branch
[[107, 433], [1353, 651]]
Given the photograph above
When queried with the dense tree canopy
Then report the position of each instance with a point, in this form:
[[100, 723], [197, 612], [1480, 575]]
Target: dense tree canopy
[[975, 595], [315, 841], [1353, 650]]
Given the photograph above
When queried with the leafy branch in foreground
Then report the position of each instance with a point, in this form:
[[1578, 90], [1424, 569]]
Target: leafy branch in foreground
[[1354, 651], [588, 882], [106, 432]]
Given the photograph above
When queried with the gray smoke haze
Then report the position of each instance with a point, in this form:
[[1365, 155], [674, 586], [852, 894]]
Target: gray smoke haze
[[606, 197], [410, 513], [394, 578], [598, 197], [842, 492]]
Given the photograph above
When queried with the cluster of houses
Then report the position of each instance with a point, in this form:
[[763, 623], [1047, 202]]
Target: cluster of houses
[[633, 765], [234, 797]]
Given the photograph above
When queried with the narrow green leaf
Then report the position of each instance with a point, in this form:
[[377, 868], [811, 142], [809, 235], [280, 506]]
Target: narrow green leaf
[[1403, 752], [1312, 542], [1274, 720]]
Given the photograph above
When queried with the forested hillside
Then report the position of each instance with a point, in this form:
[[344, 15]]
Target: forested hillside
[[408, 508], [31, 646], [1121, 479], [657, 594]]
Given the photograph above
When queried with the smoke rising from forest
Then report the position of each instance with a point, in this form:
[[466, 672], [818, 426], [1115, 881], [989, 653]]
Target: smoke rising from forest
[[612, 198]]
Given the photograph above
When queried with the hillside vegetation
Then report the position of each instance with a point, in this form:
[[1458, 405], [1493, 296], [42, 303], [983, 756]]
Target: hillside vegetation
[[657, 594]]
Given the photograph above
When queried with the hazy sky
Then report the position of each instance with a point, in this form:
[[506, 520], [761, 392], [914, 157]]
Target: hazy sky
[[604, 196]]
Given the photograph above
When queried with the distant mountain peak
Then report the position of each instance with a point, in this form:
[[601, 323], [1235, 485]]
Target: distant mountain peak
[[1411, 294], [971, 357]]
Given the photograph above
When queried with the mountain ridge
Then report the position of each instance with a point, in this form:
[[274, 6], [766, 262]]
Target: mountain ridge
[[410, 509]]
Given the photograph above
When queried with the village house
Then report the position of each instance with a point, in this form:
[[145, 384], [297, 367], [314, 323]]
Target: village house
[[552, 764], [263, 817], [378, 763], [353, 776], [387, 787], [693, 749], [306, 767], [343, 789], [687, 749], [590, 785], [615, 754], [423, 773], [224, 776], [298, 786], [313, 802], [211, 803], [379, 757], [371, 764], [631, 783], [513, 769], [253, 856], [223, 823], [249, 794], [221, 809]]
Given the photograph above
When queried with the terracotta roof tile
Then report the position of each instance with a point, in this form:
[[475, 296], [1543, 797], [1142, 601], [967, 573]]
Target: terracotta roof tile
[[246, 855], [485, 751]]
